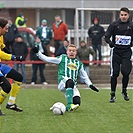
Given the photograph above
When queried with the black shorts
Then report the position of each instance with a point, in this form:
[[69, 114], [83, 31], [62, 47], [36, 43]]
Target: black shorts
[[120, 60]]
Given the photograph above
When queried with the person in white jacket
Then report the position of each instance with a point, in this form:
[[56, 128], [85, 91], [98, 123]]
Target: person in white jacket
[[68, 70]]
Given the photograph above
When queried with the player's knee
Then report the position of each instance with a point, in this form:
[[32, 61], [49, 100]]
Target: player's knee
[[76, 100], [7, 88], [19, 77], [125, 72], [114, 76], [5, 85], [69, 83], [15, 75]]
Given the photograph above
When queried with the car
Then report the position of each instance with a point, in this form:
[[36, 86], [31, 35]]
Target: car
[[29, 36]]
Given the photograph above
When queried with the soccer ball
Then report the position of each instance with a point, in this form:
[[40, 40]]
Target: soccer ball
[[59, 108]]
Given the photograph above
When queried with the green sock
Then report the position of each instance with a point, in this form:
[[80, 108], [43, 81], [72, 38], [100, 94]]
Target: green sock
[[69, 97]]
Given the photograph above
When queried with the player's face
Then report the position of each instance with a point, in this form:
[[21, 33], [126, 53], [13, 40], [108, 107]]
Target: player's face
[[3, 30], [124, 16], [71, 52]]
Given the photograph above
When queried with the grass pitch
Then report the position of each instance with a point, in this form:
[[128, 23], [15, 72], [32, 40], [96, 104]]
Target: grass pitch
[[95, 115]]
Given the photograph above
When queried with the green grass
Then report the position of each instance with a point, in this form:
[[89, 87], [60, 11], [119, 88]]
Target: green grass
[[95, 115]]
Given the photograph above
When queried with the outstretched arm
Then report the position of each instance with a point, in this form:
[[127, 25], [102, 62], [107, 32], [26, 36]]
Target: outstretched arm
[[84, 76], [43, 57], [86, 79]]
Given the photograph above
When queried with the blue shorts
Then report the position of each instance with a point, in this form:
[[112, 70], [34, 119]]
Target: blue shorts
[[4, 69]]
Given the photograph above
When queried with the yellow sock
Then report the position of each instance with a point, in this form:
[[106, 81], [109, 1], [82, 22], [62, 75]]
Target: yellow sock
[[3, 96], [14, 92]]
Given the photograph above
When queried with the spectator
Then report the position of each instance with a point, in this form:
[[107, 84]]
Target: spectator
[[20, 20], [9, 37], [20, 48], [41, 67], [83, 53], [63, 49], [96, 32], [60, 30], [45, 34]]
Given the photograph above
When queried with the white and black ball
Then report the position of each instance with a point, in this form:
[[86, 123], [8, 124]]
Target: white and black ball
[[59, 108]]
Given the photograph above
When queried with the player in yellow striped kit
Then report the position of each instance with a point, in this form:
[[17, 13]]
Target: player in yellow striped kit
[[8, 72]]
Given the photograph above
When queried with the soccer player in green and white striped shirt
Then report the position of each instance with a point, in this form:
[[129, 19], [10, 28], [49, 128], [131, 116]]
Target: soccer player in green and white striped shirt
[[68, 70]]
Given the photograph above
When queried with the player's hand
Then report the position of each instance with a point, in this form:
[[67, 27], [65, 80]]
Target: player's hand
[[18, 58], [35, 49], [94, 88]]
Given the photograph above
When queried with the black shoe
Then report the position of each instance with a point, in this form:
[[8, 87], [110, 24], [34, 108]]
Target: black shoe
[[112, 99], [94, 88], [1, 114], [14, 107], [126, 97]]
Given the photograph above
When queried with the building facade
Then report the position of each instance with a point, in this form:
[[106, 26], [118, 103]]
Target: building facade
[[35, 11]]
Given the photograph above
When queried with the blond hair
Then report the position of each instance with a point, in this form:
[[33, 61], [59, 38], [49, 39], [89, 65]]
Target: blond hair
[[71, 45]]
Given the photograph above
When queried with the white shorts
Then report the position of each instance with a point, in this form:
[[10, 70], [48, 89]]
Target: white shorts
[[62, 88]]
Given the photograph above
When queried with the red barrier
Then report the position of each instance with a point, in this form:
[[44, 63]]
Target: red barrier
[[42, 62], [23, 62]]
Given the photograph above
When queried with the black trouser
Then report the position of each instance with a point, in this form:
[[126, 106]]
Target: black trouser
[[41, 69], [97, 47], [120, 61]]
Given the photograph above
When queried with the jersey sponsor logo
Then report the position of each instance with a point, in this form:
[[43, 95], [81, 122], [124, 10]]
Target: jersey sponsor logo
[[72, 66], [122, 40]]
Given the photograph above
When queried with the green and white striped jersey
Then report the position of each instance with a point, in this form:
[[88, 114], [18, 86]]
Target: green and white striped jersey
[[67, 68]]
